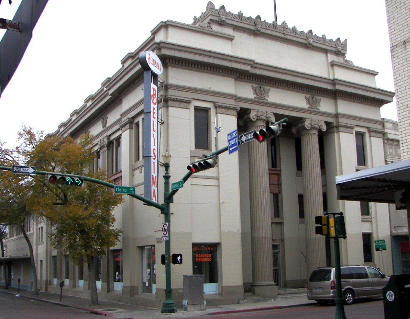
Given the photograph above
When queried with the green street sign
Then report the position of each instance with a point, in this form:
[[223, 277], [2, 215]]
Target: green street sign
[[177, 185], [380, 244], [124, 190]]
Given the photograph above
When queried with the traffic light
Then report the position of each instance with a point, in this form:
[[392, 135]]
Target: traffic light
[[65, 180], [340, 226], [177, 259], [201, 165], [323, 228], [267, 132]]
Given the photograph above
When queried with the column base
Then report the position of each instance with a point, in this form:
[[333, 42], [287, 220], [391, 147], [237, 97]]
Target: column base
[[265, 289], [169, 306]]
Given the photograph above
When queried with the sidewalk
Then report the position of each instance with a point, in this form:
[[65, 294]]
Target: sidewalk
[[285, 299]]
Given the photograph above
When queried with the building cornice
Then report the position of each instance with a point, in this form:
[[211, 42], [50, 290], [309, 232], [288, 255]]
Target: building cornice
[[283, 31]]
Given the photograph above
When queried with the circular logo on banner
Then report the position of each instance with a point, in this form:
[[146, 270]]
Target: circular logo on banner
[[390, 296], [150, 61]]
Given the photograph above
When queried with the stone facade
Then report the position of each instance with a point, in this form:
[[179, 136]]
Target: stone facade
[[398, 17], [248, 223]]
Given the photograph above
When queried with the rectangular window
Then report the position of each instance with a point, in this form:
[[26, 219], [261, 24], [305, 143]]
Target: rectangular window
[[66, 267], [301, 207], [276, 212], [204, 261], [137, 141], [117, 265], [40, 235], [273, 153], [149, 274], [367, 247], [54, 266], [201, 124], [298, 151], [360, 150], [117, 154], [364, 208], [97, 161]]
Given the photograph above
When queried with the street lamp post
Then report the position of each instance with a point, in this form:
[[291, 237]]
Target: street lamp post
[[168, 306]]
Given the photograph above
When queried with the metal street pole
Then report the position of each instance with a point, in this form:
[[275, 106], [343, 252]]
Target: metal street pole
[[168, 306], [340, 311]]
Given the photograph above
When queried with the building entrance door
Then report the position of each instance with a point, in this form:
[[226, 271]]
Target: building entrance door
[[148, 269]]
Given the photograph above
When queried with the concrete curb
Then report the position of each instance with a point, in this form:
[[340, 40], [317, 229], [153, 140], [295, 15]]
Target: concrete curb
[[225, 312]]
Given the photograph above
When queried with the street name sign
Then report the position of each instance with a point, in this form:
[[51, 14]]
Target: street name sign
[[23, 169], [177, 185], [246, 137], [380, 244], [124, 190], [233, 141]]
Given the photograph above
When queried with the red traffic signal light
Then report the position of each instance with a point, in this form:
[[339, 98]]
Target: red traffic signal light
[[65, 180], [267, 132], [201, 165]]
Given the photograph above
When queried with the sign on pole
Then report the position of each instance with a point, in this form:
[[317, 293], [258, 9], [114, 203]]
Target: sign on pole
[[153, 67], [177, 185], [380, 244], [246, 137], [124, 190], [165, 233], [233, 141], [23, 169]]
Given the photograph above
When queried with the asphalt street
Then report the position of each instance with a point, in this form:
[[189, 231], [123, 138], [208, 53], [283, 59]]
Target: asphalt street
[[12, 307]]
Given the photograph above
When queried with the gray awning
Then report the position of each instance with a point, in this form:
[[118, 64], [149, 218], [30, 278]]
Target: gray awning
[[377, 184], [14, 258]]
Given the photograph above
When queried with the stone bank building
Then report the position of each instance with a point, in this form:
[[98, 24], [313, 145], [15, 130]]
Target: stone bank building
[[252, 215]]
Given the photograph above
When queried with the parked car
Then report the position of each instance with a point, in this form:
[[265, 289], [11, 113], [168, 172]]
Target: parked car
[[357, 282]]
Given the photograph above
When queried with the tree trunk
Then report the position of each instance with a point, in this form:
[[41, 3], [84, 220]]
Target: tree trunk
[[33, 264], [92, 272]]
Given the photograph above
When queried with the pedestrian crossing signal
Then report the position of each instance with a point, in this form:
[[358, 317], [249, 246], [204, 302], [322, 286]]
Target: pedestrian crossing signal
[[177, 259]]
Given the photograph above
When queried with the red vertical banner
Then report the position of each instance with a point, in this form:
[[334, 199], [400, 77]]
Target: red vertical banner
[[154, 142]]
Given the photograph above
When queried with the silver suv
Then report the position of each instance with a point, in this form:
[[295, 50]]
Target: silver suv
[[357, 282]]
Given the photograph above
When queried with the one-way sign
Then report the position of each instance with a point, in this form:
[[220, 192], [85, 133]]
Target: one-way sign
[[246, 137], [23, 169]]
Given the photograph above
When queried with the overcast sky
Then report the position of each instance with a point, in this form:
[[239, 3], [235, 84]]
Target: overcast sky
[[79, 43]]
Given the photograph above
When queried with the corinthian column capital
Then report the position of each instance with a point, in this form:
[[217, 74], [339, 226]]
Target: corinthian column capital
[[310, 124], [259, 117]]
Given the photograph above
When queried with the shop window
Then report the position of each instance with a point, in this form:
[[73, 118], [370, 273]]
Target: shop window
[[298, 153], [205, 262], [301, 206], [201, 126], [80, 270], [117, 265], [276, 263], [149, 274], [54, 266], [364, 208], [367, 247], [360, 149], [66, 267]]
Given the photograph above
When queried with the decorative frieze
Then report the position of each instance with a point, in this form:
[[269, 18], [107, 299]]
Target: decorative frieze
[[311, 124]]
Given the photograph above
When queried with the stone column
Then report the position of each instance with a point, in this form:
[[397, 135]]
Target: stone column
[[312, 192], [260, 206]]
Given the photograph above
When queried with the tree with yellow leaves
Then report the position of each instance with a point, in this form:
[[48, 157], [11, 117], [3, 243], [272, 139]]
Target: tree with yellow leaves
[[82, 225]]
